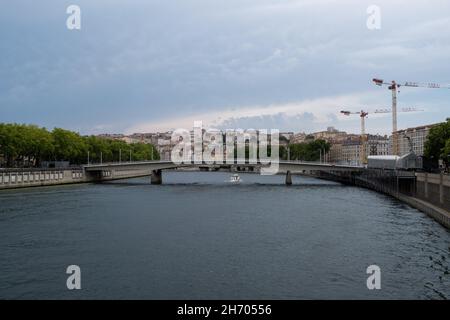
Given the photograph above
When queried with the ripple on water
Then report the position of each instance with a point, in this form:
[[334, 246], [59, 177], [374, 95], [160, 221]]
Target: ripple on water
[[196, 236]]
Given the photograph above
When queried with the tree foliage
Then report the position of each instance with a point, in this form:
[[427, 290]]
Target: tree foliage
[[28, 145], [307, 151], [437, 145], [446, 152]]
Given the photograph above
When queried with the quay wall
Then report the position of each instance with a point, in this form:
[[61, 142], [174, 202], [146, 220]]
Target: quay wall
[[429, 193], [434, 188], [23, 178]]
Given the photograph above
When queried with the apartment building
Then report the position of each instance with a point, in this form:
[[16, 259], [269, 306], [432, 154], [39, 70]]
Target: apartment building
[[413, 138]]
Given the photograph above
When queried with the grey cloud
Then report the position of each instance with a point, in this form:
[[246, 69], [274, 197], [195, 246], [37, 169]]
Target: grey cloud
[[142, 60], [299, 122]]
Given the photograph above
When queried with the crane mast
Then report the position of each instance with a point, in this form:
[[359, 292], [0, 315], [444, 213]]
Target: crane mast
[[393, 86], [363, 114]]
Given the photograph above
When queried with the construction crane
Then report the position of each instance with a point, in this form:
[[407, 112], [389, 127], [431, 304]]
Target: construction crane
[[363, 114], [393, 86]]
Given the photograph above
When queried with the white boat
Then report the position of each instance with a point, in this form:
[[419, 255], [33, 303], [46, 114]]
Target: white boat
[[235, 178]]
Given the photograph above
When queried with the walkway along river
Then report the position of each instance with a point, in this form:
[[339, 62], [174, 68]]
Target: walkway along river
[[197, 237]]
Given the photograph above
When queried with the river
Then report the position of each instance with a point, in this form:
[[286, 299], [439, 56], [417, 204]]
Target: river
[[199, 237]]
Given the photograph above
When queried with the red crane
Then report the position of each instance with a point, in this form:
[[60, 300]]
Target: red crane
[[363, 114], [393, 86]]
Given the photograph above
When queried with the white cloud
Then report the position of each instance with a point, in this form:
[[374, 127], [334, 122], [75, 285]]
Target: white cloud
[[314, 114]]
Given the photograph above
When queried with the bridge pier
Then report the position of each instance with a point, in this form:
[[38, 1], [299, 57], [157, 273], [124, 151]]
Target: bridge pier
[[288, 178], [156, 177]]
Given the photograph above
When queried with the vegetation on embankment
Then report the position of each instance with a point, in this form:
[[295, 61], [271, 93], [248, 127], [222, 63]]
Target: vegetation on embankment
[[306, 151], [24, 145], [437, 145]]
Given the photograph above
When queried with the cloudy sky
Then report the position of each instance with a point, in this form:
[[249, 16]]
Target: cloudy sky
[[153, 65]]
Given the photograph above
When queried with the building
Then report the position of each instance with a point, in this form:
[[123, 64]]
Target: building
[[336, 153], [298, 137], [348, 150], [114, 136], [331, 134], [286, 135], [351, 152], [345, 148], [413, 138], [130, 140], [377, 145]]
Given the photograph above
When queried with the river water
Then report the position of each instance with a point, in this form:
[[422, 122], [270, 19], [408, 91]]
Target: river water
[[199, 237]]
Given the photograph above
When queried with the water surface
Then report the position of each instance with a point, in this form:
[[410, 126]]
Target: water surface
[[198, 237]]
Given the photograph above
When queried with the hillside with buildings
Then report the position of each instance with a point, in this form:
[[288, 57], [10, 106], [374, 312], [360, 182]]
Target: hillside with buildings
[[346, 148]]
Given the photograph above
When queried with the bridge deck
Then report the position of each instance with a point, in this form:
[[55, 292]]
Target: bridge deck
[[283, 165]]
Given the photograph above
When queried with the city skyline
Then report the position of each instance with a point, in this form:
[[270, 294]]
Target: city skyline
[[158, 66]]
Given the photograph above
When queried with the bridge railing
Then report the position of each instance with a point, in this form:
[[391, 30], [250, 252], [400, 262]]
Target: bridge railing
[[242, 162]]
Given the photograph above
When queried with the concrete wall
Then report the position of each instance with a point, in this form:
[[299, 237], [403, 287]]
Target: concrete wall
[[22, 178], [429, 193], [434, 188], [439, 214], [120, 173]]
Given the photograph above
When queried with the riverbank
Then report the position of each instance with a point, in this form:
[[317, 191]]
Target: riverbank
[[440, 215], [434, 203], [429, 193], [431, 196], [22, 178], [27, 178]]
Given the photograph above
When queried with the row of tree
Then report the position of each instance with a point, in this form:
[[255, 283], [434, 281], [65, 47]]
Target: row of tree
[[28, 145], [306, 151], [437, 146]]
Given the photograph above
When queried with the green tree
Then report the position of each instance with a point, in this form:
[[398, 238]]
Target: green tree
[[142, 151], [99, 149], [437, 139], [29, 145], [8, 147], [24, 145], [308, 151], [40, 145], [445, 154], [69, 146]]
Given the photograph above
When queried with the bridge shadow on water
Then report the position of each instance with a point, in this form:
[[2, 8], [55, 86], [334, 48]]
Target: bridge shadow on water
[[224, 184], [219, 179], [197, 184]]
